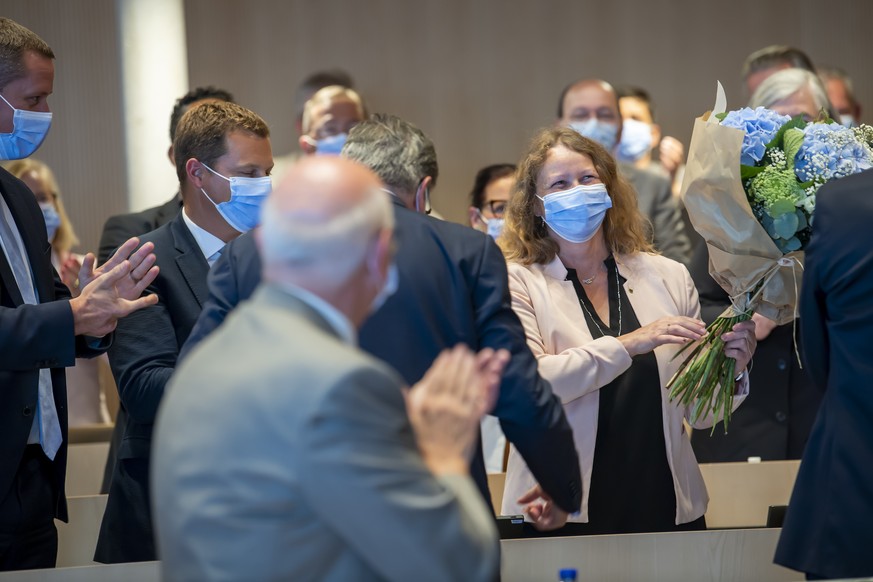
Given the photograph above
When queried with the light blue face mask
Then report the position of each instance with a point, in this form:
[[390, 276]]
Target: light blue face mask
[[29, 129], [52, 219], [600, 131], [247, 195], [331, 145], [494, 225], [577, 213], [636, 141]]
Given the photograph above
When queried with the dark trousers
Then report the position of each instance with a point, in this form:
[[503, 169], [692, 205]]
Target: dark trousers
[[28, 537]]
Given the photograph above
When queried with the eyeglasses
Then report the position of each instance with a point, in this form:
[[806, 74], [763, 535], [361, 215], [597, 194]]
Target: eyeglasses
[[497, 207]]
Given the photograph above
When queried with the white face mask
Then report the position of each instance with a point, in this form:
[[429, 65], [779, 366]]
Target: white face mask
[[29, 129], [392, 281]]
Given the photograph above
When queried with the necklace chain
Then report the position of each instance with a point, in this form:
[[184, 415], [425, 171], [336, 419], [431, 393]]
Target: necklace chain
[[618, 294]]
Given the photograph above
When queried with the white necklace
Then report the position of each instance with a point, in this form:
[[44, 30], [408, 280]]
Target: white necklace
[[618, 294]]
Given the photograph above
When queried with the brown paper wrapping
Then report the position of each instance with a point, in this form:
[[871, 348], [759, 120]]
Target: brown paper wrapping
[[741, 253]]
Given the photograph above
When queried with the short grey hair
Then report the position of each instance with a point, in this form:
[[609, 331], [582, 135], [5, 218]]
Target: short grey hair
[[397, 151], [782, 84], [304, 245]]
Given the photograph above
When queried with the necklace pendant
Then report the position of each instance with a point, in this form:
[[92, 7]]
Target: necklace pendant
[[589, 280]]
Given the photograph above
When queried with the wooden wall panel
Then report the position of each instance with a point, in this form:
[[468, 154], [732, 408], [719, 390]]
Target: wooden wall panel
[[479, 76]]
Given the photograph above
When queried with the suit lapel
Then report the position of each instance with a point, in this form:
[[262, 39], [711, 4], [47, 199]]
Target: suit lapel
[[36, 247], [190, 260]]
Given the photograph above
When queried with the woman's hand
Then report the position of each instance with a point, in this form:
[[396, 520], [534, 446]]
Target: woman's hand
[[740, 343], [542, 511], [667, 330]]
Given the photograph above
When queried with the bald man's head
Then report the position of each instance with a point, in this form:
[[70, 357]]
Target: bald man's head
[[326, 223]]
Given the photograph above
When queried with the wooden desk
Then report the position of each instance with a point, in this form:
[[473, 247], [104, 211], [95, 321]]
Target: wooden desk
[[725, 555], [78, 539], [85, 465], [136, 572], [740, 493]]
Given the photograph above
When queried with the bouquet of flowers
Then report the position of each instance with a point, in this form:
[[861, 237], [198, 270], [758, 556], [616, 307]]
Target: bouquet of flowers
[[749, 189]]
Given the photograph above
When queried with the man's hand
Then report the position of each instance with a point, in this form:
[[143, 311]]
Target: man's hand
[[101, 304], [70, 275], [671, 152], [542, 511], [140, 261], [445, 407], [764, 326]]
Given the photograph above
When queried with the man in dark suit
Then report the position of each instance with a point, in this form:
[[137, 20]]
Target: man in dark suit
[[223, 160], [120, 227], [452, 289], [828, 531], [42, 330]]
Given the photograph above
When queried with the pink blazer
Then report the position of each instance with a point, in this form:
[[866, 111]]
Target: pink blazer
[[578, 366]]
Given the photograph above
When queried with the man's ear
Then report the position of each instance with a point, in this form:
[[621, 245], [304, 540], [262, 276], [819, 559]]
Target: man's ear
[[475, 218], [196, 172], [307, 144], [422, 194]]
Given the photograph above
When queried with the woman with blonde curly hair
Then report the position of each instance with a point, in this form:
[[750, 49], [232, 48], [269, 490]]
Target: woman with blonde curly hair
[[604, 316]]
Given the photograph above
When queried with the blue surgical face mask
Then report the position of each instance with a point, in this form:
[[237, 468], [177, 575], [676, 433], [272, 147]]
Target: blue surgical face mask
[[392, 281], [848, 120], [331, 145], [494, 225], [577, 213], [29, 129], [52, 219], [243, 210], [602, 132], [636, 141]]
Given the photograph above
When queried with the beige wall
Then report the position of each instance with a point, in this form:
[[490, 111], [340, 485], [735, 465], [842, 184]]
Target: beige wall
[[479, 76]]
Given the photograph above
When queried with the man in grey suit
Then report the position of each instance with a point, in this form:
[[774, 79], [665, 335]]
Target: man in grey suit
[[284, 452], [590, 106]]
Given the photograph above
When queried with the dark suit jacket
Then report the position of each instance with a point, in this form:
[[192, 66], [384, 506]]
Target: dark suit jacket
[[121, 227], [32, 337], [774, 421], [116, 231], [453, 289], [656, 202], [828, 530], [143, 358]]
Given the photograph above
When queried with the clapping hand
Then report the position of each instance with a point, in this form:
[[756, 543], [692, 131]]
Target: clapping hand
[[445, 407], [141, 273]]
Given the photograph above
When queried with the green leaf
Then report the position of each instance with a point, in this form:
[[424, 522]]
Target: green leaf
[[785, 225], [747, 172], [721, 116], [796, 121], [792, 141], [780, 207]]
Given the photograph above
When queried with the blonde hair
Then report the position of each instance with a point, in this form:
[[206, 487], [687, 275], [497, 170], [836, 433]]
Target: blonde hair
[[525, 239], [65, 238], [324, 96]]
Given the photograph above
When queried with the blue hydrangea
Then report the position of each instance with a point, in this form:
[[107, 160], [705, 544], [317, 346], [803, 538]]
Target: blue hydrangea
[[830, 151], [760, 126]]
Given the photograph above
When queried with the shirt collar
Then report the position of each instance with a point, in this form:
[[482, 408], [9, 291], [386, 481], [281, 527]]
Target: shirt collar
[[209, 243], [334, 317]]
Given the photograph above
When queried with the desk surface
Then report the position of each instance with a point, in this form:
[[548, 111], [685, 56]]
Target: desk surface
[[724, 556]]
